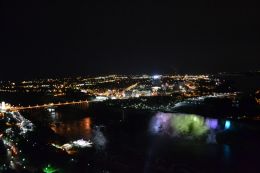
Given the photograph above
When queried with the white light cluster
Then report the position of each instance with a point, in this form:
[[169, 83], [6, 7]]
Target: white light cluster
[[74, 144], [82, 143]]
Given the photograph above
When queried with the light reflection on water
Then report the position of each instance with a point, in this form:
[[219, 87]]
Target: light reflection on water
[[74, 129], [78, 129]]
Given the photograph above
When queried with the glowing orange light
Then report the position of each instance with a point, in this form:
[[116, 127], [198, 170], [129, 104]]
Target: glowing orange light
[[87, 123], [14, 150]]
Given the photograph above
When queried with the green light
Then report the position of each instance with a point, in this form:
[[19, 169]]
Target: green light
[[49, 169], [189, 125]]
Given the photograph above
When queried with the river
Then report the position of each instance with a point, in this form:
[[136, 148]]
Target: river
[[103, 139]]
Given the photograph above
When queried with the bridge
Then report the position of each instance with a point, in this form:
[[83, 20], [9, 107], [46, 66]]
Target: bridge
[[20, 108]]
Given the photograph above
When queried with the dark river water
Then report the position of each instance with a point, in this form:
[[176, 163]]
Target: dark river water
[[102, 139], [140, 141]]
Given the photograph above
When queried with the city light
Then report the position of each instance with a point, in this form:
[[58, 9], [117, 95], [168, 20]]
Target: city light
[[71, 147], [156, 77], [130, 86], [82, 143], [72, 137]]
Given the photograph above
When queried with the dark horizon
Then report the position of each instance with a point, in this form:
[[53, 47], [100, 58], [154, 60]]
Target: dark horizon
[[28, 78], [44, 39]]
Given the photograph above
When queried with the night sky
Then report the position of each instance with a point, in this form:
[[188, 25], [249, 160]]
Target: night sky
[[60, 38]]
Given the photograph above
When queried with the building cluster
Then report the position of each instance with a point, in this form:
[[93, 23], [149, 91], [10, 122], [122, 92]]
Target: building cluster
[[118, 86]]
